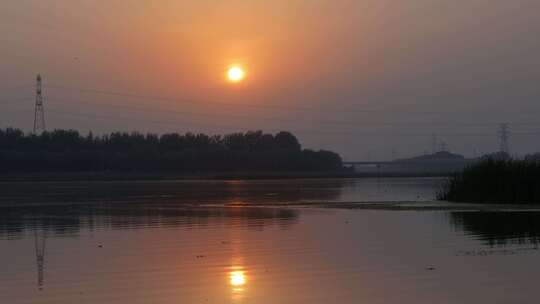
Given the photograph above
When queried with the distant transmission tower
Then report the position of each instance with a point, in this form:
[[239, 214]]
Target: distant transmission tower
[[39, 114], [504, 133], [444, 146], [434, 142]]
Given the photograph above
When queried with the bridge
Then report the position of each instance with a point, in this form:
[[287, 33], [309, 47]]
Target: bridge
[[352, 163], [408, 167]]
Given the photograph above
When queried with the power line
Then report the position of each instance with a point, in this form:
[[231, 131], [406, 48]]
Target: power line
[[176, 100], [208, 102], [267, 106], [222, 127], [279, 119], [13, 100], [17, 87], [183, 124], [40, 117]]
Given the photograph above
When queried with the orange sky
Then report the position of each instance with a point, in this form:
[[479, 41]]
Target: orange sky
[[394, 57]]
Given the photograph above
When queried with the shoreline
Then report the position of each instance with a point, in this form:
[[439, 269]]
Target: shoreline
[[430, 206], [163, 176]]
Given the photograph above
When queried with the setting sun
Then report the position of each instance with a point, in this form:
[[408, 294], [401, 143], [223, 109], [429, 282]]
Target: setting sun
[[235, 74]]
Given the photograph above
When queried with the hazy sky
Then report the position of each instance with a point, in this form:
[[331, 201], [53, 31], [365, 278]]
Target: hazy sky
[[361, 77]]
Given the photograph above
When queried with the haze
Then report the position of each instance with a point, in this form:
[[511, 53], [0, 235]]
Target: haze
[[368, 79]]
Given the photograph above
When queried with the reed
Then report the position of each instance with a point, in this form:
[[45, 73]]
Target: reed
[[494, 181]]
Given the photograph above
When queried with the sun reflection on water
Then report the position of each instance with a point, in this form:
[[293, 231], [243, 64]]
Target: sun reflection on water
[[237, 281], [237, 278]]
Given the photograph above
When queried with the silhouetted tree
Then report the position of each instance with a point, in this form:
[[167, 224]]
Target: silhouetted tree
[[68, 150]]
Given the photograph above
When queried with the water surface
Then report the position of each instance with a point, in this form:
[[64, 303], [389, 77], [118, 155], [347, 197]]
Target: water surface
[[259, 242]]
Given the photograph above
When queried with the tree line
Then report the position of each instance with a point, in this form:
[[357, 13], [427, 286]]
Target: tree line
[[68, 150]]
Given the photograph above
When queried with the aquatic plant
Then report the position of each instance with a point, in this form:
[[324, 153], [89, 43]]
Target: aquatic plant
[[495, 181]]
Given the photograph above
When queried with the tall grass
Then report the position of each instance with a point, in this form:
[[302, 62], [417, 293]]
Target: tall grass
[[495, 181]]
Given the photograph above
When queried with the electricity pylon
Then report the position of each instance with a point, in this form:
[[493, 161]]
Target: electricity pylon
[[39, 114], [504, 133]]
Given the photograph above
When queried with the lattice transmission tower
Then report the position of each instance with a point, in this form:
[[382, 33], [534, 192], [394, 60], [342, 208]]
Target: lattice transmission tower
[[434, 143], [504, 134], [39, 114]]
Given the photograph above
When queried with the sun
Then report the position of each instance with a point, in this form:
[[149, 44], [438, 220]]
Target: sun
[[235, 74]]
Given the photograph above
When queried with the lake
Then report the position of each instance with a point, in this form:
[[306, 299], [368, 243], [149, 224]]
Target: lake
[[380, 240]]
